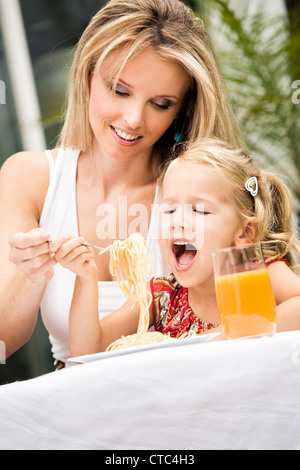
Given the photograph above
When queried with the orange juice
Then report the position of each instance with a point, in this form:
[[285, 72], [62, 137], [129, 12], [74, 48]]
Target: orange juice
[[246, 303]]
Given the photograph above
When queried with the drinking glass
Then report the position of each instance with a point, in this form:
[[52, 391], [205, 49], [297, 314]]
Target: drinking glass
[[244, 293]]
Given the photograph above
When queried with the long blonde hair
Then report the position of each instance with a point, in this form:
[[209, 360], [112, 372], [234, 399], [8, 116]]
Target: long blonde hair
[[175, 33], [270, 209]]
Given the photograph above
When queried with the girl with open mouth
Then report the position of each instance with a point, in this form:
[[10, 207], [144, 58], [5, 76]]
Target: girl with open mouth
[[207, 205]]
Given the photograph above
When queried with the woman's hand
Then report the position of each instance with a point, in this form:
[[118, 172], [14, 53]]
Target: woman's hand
[[31, 254], [73, 255]]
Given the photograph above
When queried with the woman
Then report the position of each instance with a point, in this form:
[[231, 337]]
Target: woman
[[144, 82]]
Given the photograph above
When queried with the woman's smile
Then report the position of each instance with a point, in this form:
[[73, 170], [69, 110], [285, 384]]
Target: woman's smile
[[124, 137]]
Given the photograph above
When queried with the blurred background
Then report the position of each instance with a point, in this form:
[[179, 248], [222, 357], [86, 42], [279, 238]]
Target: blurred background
[[258, 46]]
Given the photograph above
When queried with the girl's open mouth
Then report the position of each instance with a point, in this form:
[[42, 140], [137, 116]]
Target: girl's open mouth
[[184, 254]]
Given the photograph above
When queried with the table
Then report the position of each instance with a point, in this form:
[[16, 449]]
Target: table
[[240, 394]]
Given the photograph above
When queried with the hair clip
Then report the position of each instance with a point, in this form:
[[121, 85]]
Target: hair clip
[[249, 186]]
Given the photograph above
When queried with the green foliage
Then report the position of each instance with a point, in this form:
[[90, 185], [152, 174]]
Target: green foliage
[[259, 57]]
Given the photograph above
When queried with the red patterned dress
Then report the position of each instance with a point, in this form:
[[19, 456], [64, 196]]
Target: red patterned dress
[[171, 311]]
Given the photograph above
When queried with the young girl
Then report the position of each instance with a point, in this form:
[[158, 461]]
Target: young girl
[[213, 197]]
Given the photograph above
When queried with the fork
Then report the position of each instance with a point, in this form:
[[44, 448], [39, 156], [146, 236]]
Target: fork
[[88, 244], [95, 246]]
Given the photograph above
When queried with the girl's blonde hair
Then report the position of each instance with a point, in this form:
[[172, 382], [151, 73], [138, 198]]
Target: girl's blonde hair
[[270, 210], [175, 33]]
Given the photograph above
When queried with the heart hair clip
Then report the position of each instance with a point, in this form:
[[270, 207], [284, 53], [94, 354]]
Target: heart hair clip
[[252, 186]]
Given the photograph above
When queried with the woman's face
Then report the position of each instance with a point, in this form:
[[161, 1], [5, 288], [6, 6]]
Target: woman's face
[[150, 92]]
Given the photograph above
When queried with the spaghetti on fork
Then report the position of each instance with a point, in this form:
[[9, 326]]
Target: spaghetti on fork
[[131, 262]]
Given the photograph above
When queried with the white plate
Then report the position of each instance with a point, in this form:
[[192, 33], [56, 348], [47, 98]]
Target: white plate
[[134, 349]]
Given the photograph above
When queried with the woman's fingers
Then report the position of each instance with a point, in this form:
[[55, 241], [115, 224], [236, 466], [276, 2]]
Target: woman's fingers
[[33, 238], [40, 271], [31, 254], [25, 246], [18, 255], [35, 254], [56, 244]]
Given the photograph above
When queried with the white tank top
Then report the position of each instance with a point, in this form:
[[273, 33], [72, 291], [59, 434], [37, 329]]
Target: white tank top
[[59, 217]]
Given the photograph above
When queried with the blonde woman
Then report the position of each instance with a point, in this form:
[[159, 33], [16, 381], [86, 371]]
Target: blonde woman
[[143, 83]]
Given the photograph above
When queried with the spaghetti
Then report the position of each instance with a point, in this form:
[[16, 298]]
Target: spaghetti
[[131, 262]]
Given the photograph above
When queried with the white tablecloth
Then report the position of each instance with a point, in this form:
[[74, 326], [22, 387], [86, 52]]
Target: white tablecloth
[[241, 394]]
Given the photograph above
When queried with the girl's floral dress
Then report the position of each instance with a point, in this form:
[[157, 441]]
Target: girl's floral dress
[[171, 311]]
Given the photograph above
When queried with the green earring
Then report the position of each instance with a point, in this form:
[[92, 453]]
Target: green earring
[[177, 135]]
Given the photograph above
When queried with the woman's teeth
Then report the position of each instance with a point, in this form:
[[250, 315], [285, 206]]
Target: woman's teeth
[[125, 136]]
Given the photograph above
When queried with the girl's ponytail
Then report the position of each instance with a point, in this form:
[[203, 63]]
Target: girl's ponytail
[[275, 230]]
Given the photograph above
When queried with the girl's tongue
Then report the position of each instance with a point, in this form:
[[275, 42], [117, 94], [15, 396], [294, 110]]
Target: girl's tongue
[[184, 253]]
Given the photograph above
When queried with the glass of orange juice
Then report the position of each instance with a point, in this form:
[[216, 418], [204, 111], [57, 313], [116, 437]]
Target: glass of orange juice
[[244, 293]]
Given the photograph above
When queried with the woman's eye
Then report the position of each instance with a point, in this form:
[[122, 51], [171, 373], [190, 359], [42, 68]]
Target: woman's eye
[[161, 106], [119, 90], [121, 93]]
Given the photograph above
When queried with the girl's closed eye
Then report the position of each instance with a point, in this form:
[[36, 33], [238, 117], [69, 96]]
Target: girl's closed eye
[[169, 210], [199, 209]]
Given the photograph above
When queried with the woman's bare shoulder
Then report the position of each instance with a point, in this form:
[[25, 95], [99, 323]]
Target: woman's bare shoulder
[[27, 164], [25, 175], [22, 161], [25, 161]]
